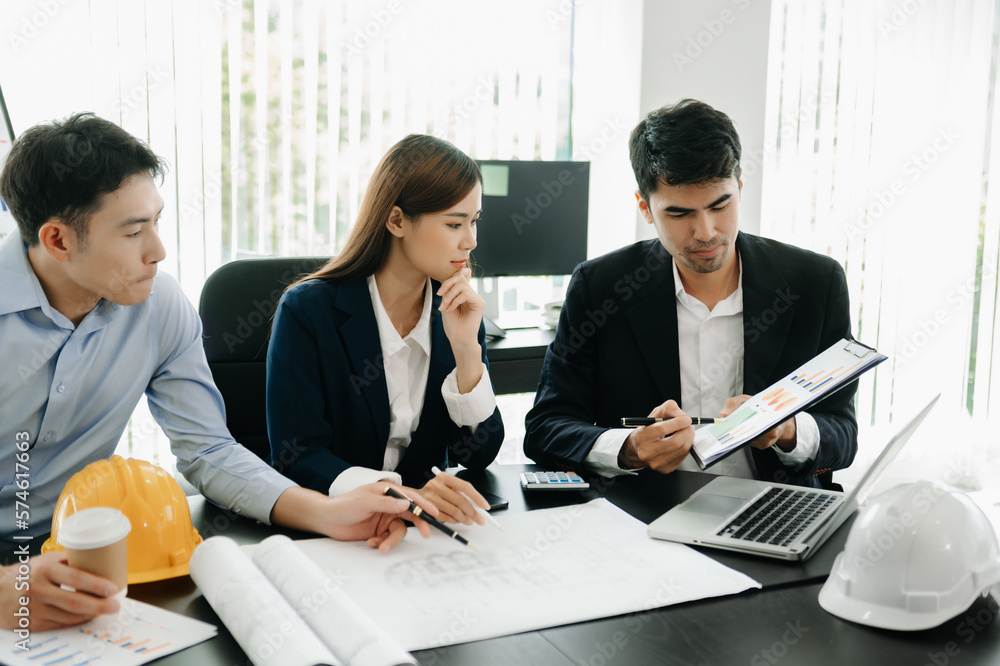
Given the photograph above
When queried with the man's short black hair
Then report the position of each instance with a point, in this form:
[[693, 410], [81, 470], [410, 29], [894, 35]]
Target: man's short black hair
[[687, 143], [63, 168]]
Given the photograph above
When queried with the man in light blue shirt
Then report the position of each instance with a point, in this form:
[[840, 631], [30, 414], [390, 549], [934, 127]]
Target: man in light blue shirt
[[87, 326]]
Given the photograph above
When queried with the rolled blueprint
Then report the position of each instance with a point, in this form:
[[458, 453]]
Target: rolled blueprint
[[259, 618], [352, 635]]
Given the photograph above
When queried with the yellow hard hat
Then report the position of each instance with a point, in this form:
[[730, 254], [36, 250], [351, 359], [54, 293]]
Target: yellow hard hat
[[162, 537]]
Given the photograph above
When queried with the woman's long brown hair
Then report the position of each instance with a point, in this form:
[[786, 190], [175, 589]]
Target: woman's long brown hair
[[420, 174]]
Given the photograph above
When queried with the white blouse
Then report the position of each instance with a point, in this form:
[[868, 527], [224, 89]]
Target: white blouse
[[407, 364]]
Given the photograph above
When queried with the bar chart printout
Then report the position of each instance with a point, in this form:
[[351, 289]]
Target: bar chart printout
[[822, 375], [137, 634]]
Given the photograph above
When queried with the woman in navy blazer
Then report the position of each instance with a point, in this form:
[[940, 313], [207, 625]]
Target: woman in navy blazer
[[376, 368]]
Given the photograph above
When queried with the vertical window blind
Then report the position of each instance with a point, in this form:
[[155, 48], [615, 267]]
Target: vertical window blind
[[879, 151], [274, 113]]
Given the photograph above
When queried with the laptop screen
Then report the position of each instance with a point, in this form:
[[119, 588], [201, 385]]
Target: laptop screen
[[860, 493]]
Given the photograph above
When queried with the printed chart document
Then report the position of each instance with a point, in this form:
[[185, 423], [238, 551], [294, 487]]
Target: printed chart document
[[812, 382], [543, 569], [137, 634], [284, 610]]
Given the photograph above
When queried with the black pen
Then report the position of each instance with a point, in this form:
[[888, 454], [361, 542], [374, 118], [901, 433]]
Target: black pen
[[636, 421], [419, 513]]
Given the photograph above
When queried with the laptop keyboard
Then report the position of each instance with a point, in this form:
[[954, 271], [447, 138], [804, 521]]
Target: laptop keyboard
[[778, 517]]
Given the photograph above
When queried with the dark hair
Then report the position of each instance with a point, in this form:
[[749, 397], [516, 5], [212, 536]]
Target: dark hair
[[62, 169], [689, 142], [420, 174]]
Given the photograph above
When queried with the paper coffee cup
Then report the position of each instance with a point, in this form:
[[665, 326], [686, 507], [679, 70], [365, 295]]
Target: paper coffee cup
[[95, 541]]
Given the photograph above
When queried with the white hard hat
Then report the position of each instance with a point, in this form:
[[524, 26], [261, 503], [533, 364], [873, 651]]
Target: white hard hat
[[916, 556]]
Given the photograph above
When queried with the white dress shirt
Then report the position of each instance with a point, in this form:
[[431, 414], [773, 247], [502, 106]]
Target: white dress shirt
[[407, 364], [710, 347]]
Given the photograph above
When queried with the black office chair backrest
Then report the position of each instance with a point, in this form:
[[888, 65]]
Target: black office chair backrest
[[237, 307]]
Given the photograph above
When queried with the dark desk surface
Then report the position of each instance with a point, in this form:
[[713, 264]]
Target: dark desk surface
[[755, 627], [520, 343], [516, 361]]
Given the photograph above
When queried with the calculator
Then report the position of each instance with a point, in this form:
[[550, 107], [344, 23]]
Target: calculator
[[552, 481]]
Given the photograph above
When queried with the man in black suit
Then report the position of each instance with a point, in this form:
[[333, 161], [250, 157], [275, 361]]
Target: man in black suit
[[699, 319]]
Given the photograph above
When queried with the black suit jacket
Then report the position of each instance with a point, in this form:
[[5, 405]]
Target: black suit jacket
[[616, 351], [327, 402]]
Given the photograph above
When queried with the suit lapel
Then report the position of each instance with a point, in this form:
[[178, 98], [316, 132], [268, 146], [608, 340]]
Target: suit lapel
[[764, 328], [364, 350], [653, 320]]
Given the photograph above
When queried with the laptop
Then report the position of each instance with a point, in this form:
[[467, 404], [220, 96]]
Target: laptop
[[772, 519]]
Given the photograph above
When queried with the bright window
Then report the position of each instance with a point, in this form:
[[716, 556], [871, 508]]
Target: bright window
[[881, 144], [273, 113]]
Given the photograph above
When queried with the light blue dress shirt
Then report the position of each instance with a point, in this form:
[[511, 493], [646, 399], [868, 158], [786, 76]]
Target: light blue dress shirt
[[72, 390]]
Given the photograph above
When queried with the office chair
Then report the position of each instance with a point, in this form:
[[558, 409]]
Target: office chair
[[237, 307]]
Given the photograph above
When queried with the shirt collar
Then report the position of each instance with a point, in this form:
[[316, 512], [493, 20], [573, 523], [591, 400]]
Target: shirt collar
[[421, 333], [387, 333], [732, 304], [21, 288], [23, 291]]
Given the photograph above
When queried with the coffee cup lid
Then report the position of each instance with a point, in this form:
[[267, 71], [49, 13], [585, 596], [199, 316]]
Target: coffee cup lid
[[93, 528]]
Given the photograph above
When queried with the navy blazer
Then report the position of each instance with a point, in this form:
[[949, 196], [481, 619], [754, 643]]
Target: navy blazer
[[616, 354], [327, 403]]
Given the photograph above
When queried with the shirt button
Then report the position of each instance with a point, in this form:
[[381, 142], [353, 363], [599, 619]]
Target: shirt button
[[60, 388], [48, 435]]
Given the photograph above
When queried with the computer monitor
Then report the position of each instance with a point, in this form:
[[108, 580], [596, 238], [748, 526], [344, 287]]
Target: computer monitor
[[534, 219]]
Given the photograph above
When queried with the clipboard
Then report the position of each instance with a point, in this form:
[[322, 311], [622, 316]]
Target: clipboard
[[831, 370]]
